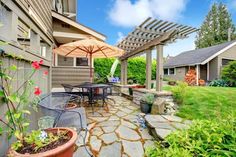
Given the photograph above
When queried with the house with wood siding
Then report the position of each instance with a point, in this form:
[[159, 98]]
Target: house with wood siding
[[208, 62], [26, 27], [31, 29], [69, 70]]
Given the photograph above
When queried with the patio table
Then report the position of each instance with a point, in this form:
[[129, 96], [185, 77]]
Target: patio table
[[91, 89]]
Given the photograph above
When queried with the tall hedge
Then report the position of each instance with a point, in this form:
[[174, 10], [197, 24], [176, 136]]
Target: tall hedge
[[136, 69]]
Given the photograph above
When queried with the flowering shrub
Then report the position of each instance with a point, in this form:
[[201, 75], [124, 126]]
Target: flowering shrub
[[17, 99], [191, 78]]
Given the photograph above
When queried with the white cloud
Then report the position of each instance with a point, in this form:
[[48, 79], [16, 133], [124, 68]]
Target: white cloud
[[127, 14], [178, 47], [120, 37]]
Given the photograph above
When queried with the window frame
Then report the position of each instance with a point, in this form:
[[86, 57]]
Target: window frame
[[81, 65], [168, 71]]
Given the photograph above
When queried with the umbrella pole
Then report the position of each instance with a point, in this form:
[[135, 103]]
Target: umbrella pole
[[91, 72]]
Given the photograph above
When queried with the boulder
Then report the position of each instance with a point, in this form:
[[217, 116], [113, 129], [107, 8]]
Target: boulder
[[158, 106]]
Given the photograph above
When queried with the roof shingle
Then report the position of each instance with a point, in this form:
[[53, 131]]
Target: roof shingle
[[194, 57]]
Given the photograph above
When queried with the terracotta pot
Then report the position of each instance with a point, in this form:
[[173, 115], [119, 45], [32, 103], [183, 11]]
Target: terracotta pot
[[140, 86], [96, 90], [71, 105], [65, 150]]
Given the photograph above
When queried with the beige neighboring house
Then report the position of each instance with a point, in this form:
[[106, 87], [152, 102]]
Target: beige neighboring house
[[208, 62], [65, 29]]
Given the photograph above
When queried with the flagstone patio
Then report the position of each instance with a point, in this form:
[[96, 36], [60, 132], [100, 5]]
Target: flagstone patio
[[115, 132]]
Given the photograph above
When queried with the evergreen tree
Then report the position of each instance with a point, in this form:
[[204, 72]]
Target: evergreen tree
[[215, 27]]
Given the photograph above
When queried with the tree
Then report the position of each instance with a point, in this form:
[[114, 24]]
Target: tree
[[229, 73], [215, 27]]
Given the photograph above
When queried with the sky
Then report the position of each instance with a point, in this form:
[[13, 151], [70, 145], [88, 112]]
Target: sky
[[116, 18]]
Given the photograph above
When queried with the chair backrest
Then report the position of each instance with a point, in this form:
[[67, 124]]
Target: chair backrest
[[54, 100], [67, 87], [53, 105]]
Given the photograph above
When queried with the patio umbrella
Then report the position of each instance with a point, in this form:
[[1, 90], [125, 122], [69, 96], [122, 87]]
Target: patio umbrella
[[89, 48]]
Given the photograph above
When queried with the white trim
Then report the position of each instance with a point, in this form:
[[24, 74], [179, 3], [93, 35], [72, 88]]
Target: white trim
[[208, 71], [56, 59], [74, 61], [218, 53], [69, 35], [78, 26]]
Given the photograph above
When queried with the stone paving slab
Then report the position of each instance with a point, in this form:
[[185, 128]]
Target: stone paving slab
[[113, 150], [133, 149], [162, 125]]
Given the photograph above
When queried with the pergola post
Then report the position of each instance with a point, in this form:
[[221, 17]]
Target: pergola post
[[208, 71], [148, 68], [124, 64], [159, 67]]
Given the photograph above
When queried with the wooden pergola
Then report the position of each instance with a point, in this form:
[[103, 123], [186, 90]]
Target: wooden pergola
[[152, 33]]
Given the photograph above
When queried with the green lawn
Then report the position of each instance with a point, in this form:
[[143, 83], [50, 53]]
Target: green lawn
[[207, 102]]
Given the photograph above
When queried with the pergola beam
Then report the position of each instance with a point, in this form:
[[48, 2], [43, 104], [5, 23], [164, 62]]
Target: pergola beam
[[160, 40]]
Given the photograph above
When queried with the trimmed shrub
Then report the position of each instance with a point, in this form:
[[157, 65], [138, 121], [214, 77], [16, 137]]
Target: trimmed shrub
[[204, 139], [229, 73], [179, 92], [136, 69], [218, 83]]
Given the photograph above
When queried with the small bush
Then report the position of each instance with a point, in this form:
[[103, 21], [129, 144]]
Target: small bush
[[218, 83], [229, 73], [148, 98], [179, 92], [204, 139]]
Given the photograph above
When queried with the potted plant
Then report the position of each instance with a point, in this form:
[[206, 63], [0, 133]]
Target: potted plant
[[130, 82], [50, 142], [146, 103]]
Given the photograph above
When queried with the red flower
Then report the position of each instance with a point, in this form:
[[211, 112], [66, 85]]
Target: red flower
[[41, 62], [35, 65], [37, 91], [45, 73]]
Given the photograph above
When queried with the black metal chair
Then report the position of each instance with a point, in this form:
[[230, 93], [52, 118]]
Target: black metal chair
[[54, 105], [102, 94], [69, 89]]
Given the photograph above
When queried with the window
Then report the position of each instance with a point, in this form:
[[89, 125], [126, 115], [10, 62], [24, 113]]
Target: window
[[81, 61], [172, 71], [166, 72], [43, 51], [226, 61]]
